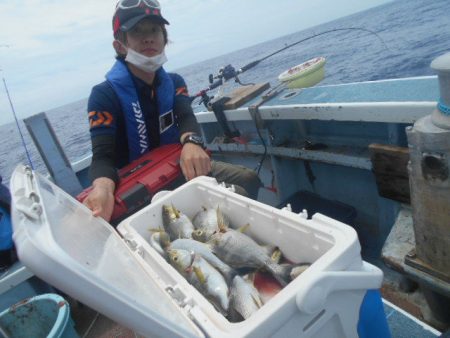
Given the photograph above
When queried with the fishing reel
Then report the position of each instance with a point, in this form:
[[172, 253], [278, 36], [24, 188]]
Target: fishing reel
[[220, 80], [225, 73]]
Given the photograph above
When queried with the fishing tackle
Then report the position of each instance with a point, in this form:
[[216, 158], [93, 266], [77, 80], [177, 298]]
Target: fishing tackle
[[229, 72]]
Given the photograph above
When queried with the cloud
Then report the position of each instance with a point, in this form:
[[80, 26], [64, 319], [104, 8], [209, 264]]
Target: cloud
[[58, 49], [53, 46]]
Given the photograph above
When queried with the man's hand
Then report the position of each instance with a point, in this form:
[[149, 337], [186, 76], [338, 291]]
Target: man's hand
[[194, 161], [101, 198]]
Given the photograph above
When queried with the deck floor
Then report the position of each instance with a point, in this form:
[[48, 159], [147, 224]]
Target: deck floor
[[91, 324], [95, 325]]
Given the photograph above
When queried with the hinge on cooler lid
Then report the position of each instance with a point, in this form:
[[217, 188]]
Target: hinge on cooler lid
[[133, 245], [28, 203], [194, 312], [177, 295]]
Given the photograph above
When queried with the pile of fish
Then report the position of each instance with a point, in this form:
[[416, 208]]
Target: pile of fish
[[236, 274]]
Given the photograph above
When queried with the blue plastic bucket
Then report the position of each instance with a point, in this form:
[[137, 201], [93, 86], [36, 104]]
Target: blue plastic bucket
[[46, 315]]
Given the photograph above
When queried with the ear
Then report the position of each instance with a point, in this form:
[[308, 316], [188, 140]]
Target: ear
[[119, 48]]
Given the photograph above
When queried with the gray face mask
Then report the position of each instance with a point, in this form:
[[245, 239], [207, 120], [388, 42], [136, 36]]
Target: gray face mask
[[149, 64]]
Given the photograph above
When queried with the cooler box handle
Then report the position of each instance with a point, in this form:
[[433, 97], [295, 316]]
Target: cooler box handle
[[311, 298]]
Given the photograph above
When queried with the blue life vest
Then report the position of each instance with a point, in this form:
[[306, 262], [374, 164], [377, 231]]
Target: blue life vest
[[121, 81]]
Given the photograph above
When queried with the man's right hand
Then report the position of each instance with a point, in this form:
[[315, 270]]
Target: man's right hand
[[101, 198]]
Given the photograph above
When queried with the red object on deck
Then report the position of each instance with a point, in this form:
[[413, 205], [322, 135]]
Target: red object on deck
[[157, 170]]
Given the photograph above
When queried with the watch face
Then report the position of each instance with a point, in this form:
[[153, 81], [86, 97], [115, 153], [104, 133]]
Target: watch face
[[195, 139]]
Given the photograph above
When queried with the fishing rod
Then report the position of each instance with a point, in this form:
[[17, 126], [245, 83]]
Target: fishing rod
[[17, 123], [228, 72]]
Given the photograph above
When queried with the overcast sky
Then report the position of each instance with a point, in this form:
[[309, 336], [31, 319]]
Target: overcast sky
[[53, 51]]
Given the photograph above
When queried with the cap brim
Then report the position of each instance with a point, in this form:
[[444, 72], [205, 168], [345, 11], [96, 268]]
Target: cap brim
[[125, 27]]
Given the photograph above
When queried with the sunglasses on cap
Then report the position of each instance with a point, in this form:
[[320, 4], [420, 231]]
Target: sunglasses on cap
[[126, 4]]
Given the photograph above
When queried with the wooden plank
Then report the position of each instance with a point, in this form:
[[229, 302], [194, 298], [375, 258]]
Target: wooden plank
[[245, 93], [389, 165]]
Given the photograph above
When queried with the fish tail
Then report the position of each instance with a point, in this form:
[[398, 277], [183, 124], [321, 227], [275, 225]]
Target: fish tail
[[280, 272], [298, 269], [229, 275]]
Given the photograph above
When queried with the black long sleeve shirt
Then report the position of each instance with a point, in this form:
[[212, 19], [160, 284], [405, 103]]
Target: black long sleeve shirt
[[108, 129]]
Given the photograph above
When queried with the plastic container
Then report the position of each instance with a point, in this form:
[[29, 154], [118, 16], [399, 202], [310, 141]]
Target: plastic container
[[306, 74], [142, 178], [46, 315], [122, 277]]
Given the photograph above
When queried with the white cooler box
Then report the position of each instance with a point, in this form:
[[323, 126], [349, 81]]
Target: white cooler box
[[122, 277]]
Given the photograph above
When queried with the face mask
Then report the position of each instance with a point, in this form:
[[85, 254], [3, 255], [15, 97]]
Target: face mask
[[146, 63]]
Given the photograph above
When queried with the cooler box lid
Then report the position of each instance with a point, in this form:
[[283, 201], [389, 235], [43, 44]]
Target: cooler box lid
[[62, 243]]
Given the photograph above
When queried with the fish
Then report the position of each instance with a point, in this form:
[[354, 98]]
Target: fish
[[202, 276], [208, 221], [241, 251], [155, 242], [213, 219], [244, 298], [176, 224], [203, 250]]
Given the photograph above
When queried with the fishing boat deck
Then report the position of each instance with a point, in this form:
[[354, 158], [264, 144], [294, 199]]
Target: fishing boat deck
[[421, 89], [371, 102], [19, 284], [90, 324]]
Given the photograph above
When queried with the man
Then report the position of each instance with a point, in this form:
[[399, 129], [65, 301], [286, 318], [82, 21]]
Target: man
[[140, 107]]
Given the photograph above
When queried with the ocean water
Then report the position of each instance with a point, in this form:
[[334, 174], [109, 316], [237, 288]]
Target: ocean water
[[413, 33]]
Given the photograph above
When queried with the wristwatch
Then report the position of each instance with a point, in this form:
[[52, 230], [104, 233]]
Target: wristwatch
[[195, 139]]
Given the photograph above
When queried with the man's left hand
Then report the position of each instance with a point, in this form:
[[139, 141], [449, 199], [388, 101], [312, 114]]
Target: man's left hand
[[194, 161]]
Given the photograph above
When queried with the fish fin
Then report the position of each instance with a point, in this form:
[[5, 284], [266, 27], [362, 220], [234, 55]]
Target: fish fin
[[244, 228], [176, 211], [276, 255], [257, 301], [164, 240], [221, 223], [200, 275]]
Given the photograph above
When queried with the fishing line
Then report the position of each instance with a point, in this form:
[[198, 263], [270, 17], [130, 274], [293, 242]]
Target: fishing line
[[17, 124], [254, 63], [206, 98]]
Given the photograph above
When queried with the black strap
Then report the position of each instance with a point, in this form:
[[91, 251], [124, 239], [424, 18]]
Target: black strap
[[218, 108]]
